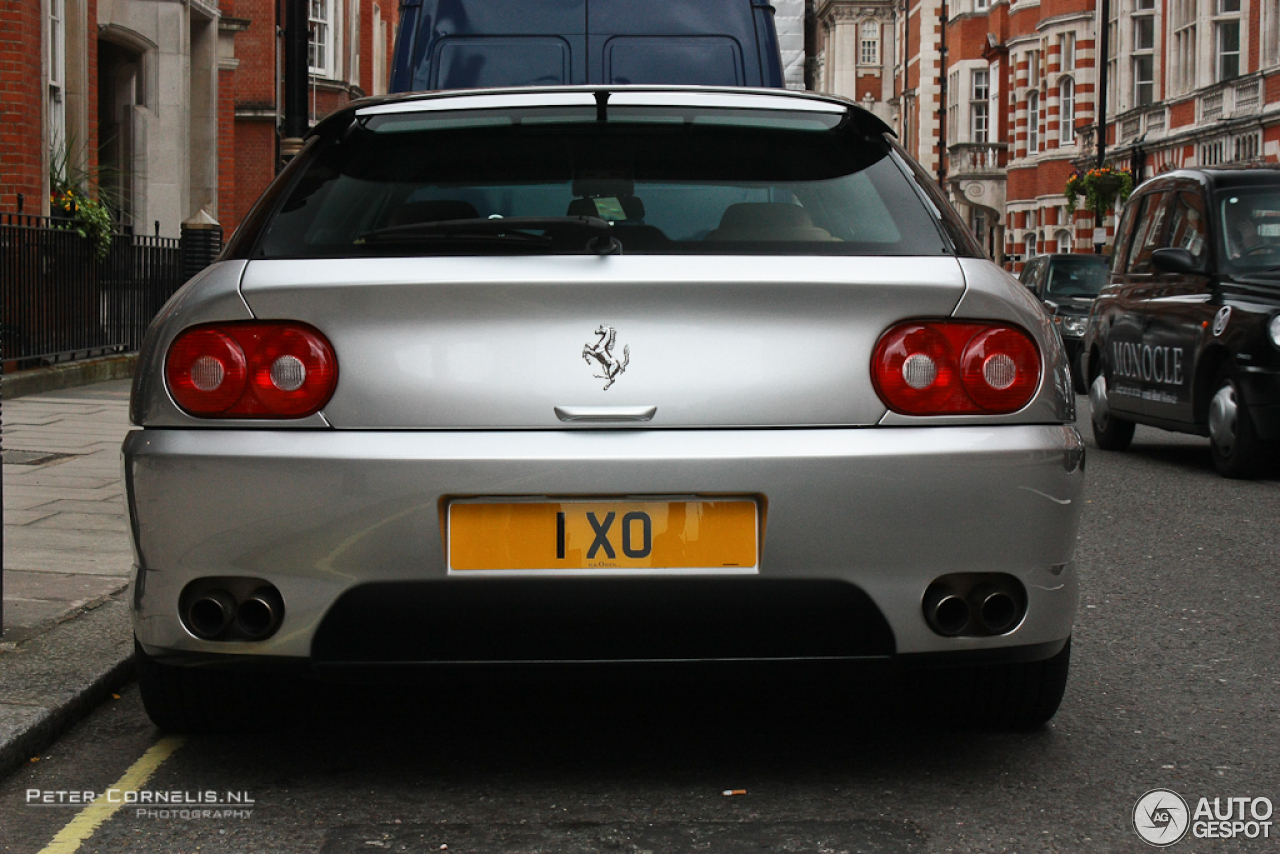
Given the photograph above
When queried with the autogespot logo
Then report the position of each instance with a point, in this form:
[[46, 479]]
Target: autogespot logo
[[1161, 817]]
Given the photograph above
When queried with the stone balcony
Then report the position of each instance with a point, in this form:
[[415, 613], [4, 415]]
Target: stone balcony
[[976, 173], [1229, 100]]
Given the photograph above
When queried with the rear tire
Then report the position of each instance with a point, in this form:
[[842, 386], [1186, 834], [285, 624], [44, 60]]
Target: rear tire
[[1111, 433], [1018, 696], [207, 700], [1237, 451]]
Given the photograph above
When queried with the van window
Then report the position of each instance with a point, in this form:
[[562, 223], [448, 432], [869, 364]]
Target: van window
[[472, 63], [706, 61]]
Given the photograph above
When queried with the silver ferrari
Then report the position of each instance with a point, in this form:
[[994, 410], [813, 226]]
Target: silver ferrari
[[608, 374]]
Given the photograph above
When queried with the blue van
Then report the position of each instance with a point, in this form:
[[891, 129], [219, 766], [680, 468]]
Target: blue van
[[463, 44]]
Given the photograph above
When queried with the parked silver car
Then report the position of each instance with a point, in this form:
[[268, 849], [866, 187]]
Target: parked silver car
[[602, 375]]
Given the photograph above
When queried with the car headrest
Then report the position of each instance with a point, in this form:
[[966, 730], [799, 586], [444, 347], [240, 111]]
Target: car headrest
[[752, 216]]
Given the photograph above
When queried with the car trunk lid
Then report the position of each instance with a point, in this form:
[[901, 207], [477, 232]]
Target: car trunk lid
[[581, 341]]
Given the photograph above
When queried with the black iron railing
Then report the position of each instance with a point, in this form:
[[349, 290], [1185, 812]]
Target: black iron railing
[[61, 301]]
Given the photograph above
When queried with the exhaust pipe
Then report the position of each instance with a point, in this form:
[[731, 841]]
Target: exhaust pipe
[[947, 613], [210, 614], [997, 610], [259, 615]]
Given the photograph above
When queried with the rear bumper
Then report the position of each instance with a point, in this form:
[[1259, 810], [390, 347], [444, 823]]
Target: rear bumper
[[871, 516]]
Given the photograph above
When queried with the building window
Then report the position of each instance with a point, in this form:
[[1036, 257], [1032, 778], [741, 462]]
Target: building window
[[1064, 242], [1144, 44], [1067, 52], [1113, 63], [1067, 111], [57, 75], [1183, 15], [1033, 122], [1271, 32], [953, 106], [320, 49], [1227, 39], [379, 52], [981, 5], [869, 53], [980, 91]]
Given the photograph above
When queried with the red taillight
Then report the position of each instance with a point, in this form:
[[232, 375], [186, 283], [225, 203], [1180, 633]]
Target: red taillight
[[951, 368], [251, 370]]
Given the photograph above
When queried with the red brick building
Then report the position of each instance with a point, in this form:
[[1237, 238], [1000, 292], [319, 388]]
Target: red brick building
[[1000, 101], [174, 106], [350, 52]]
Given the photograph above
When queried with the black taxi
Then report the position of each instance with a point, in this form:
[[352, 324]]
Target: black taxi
[[1186, 334]]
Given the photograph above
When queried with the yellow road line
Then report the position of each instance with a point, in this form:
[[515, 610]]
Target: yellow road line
[[80, 828]]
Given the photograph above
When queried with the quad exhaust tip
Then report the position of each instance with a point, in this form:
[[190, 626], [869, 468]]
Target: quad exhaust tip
[[209, 615], [231, 609], [974, 604]]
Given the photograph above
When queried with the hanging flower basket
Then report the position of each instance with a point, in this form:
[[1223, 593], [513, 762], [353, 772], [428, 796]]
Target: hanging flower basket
[[1102, 189]]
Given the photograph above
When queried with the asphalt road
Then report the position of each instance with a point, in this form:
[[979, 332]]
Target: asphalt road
[[1175, 684]]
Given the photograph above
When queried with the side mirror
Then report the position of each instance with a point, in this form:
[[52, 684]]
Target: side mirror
[[1175, 261]]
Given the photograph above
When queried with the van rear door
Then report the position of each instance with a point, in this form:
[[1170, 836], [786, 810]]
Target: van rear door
[[709, 43], [465, 45]]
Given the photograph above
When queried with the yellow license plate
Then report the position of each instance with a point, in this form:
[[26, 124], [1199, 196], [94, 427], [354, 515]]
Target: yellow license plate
[[601, 536]]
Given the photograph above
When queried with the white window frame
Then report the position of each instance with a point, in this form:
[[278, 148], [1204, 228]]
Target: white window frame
[[57, 42], [869, 43], [953, 106], [1066, 111], [1185, 45], [980, 105], [1113, 59], [379, 82], [1224, 21], [1065, 241], [1143, 61], [57, 75], [1270, 20], [322, 47], [1033, 122], [1067, 53]]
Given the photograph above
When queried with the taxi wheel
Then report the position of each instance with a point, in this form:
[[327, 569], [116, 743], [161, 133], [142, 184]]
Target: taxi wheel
[[1111, 433], [203, 700], [1237, 451]]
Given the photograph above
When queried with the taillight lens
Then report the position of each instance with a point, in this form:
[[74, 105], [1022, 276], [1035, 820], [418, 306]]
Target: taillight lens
[[951, 368], [251, 370]]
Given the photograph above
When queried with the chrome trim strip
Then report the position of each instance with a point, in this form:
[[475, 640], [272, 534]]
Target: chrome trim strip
[[606, 413]]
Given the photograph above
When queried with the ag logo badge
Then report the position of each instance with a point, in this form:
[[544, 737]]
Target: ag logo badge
[[601, 352], [1161, 817], [1221, 319]]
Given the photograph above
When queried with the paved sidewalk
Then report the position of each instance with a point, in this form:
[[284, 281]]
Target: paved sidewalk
[[67, 562]]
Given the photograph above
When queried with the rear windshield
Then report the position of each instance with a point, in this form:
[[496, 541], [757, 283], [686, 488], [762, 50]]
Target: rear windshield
[[667, 182], [1072, 277]]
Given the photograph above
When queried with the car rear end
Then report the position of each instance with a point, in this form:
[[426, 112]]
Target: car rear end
[[734, 432]]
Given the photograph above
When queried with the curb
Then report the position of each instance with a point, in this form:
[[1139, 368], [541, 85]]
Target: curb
[[82, 670], [67, 375]]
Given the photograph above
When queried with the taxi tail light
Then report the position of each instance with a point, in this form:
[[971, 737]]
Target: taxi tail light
[[251, 370], [955, 368]]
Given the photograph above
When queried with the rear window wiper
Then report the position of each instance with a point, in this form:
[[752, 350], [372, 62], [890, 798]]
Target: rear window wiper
[[599, 233]]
